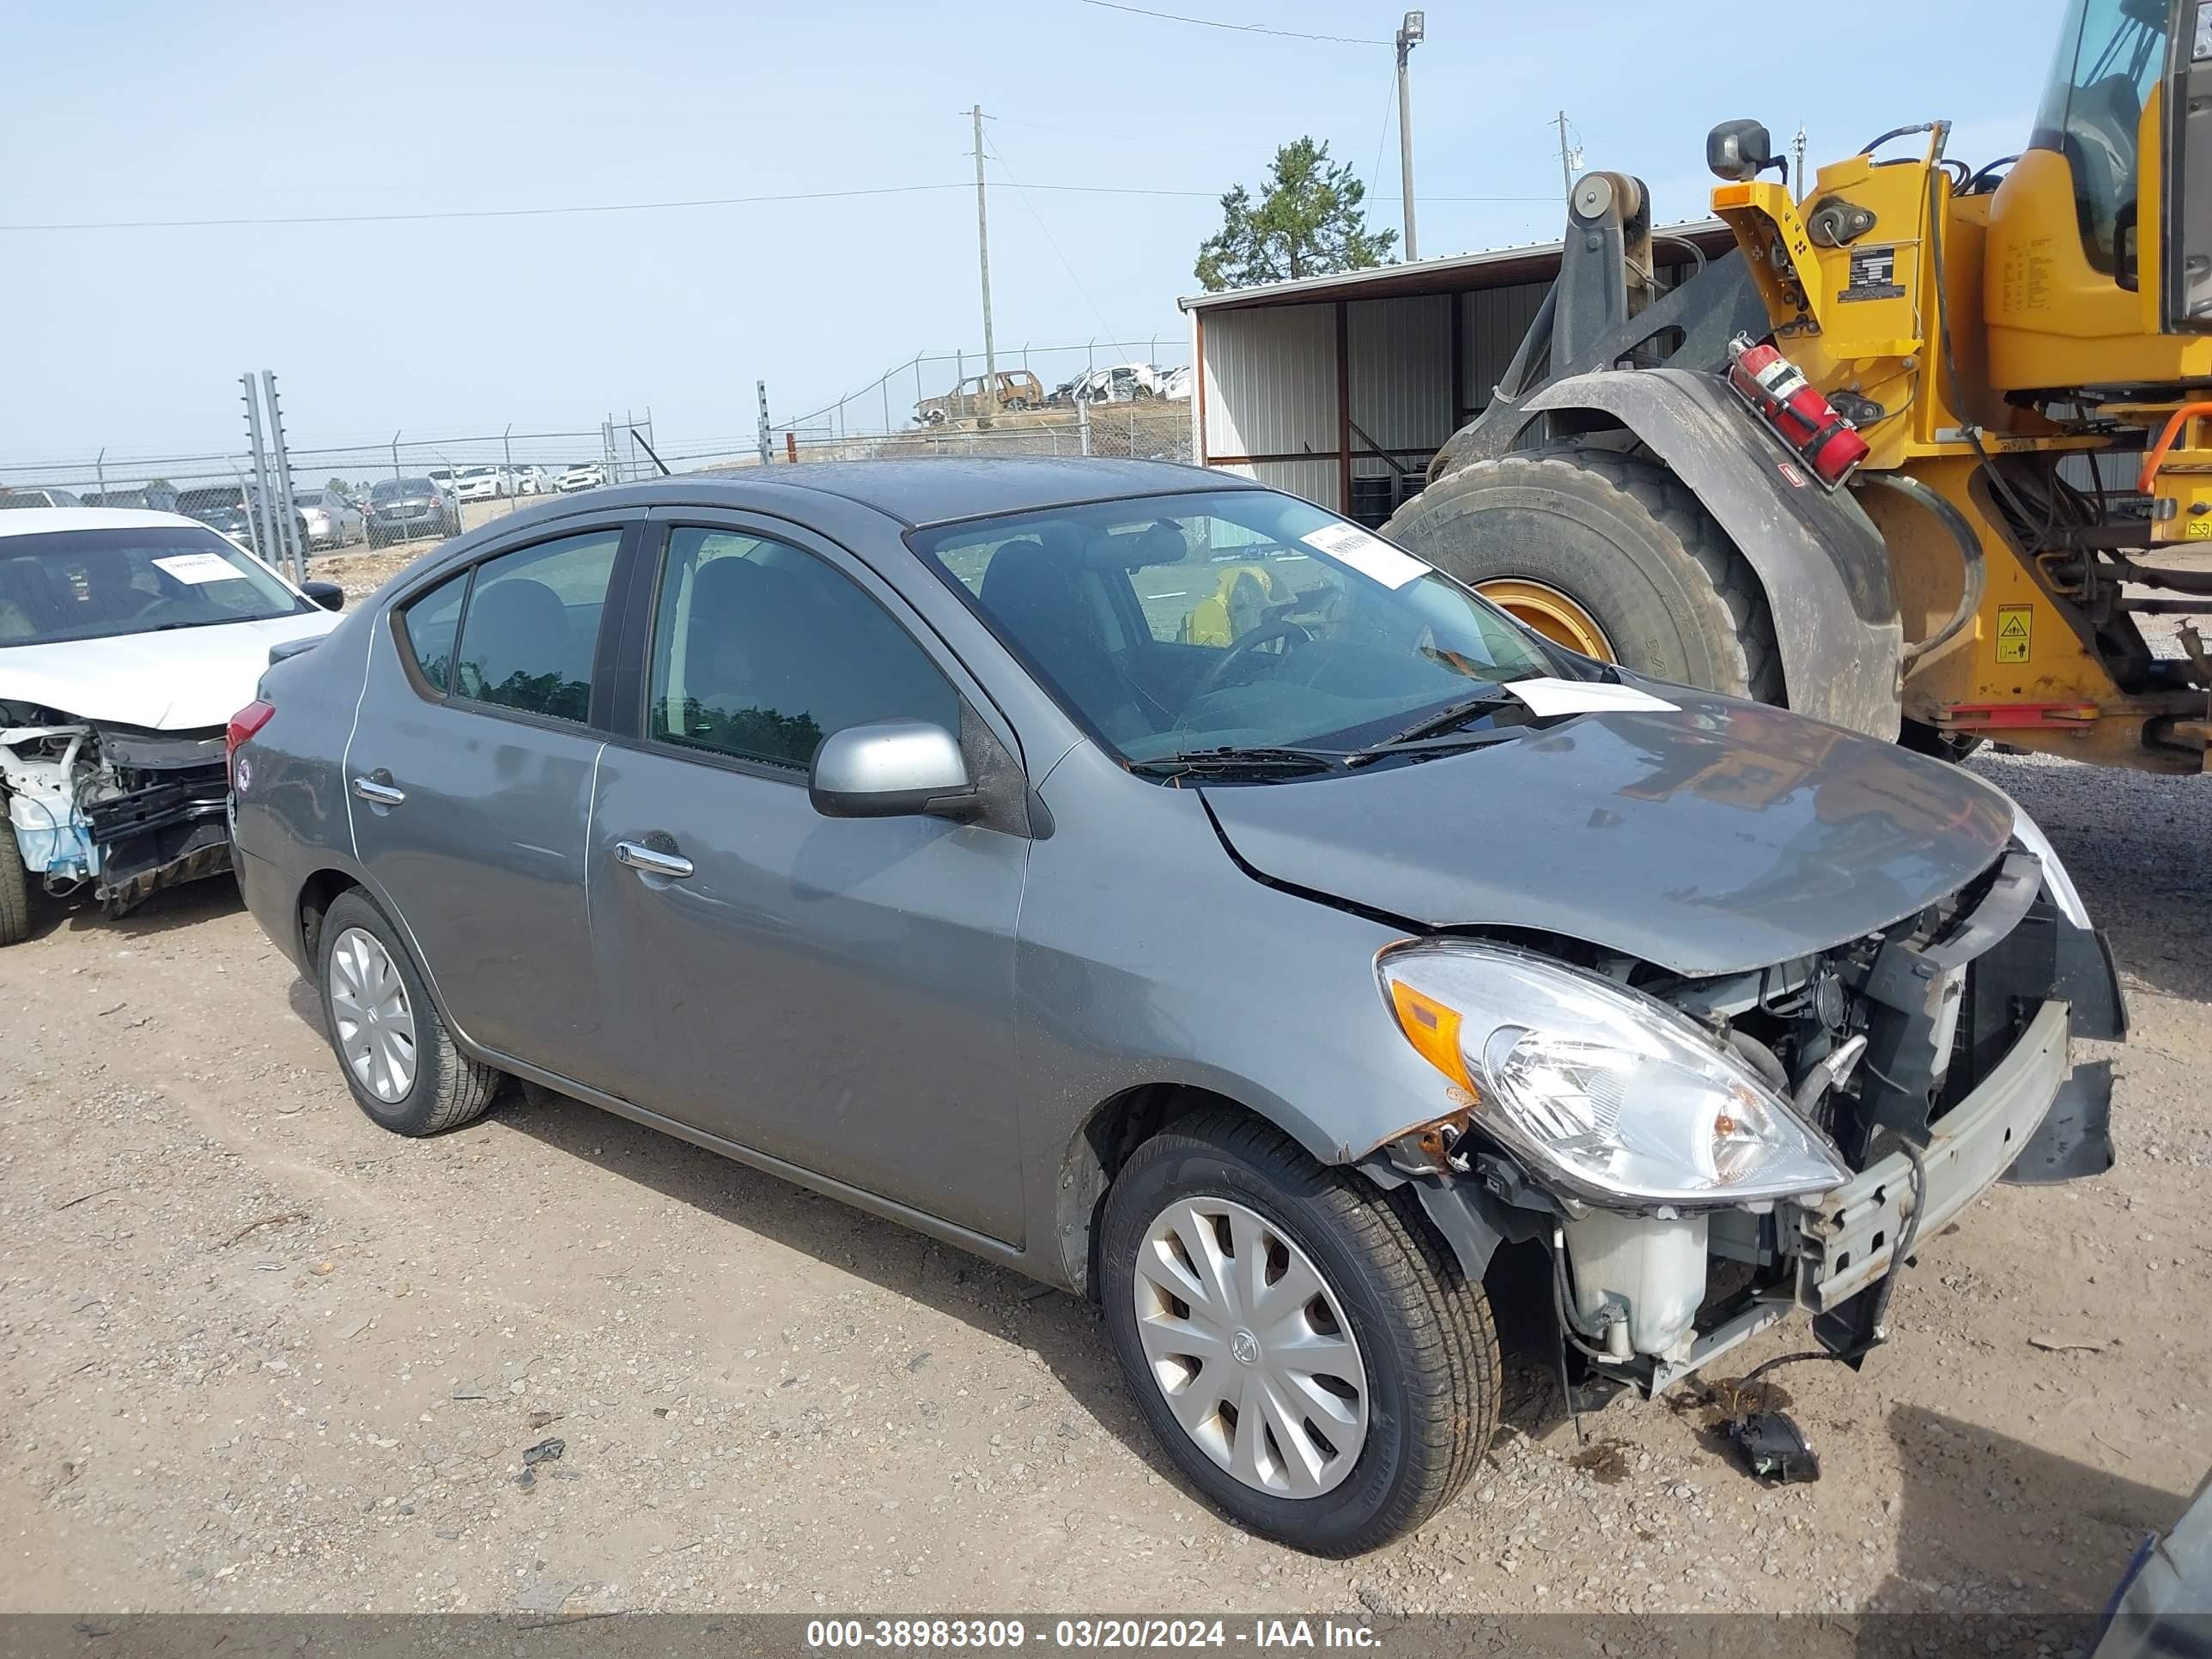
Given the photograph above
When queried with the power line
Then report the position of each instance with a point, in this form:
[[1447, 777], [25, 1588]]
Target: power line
[[1239, 28], [1050, 242], [644, 207], [486, 213]]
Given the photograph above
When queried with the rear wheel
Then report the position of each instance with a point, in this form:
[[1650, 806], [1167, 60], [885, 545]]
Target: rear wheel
[[1299, 1342], [15, 887], [394, 1051], [1608, 555]]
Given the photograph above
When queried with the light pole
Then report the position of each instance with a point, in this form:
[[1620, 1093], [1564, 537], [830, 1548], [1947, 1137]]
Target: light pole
[[1411, 32]]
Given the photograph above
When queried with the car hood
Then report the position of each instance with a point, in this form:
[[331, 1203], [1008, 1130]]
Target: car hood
[[186, 678], [1723, 837]]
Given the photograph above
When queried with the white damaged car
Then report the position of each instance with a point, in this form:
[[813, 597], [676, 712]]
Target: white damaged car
[[127, 640]]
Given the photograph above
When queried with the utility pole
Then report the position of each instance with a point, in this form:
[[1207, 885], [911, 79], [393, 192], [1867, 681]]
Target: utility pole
[[1566, 156], [1411, 32], [983, 259], [260, 517]]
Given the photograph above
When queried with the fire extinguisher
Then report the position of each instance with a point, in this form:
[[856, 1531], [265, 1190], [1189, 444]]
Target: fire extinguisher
[[1806, 421]]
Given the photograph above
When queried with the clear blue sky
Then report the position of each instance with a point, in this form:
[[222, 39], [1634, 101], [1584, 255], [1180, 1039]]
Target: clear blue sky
[[132, 339]]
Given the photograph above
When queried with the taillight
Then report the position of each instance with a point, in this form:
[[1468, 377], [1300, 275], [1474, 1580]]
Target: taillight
[[243, 725]]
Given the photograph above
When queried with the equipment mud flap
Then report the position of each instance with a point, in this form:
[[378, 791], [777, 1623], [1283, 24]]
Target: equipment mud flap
[[1818, 555]]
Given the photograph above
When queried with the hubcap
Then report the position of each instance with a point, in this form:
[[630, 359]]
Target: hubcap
[[376, 1022], [1559, 619], [1250, 1348]]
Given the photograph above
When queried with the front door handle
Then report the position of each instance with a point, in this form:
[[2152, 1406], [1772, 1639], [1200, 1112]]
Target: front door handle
[[651, 861], [377, 792]]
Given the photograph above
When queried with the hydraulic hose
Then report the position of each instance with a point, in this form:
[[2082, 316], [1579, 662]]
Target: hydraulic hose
[[1975, 580]]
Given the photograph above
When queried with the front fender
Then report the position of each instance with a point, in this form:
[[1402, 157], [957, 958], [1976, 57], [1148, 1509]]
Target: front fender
[[1823, 565]]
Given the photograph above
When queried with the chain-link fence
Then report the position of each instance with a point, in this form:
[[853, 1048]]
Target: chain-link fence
[[1118, 399]]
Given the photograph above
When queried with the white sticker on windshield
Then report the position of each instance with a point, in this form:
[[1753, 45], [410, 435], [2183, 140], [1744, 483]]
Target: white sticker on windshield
[[1369, 555], [1547, 697], [199, 569]]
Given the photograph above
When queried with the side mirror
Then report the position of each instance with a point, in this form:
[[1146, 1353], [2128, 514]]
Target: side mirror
[[888, 770], [1738, 151], [329, 595]]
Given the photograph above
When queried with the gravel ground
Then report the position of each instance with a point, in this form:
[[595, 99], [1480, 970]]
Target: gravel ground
[[258, 1355]]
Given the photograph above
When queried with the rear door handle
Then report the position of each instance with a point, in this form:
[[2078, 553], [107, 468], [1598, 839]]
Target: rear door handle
[[377, 794], [651, 861]]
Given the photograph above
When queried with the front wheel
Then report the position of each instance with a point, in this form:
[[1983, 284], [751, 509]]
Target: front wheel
[[1300, 1343], [1608, 555], [15, 886]]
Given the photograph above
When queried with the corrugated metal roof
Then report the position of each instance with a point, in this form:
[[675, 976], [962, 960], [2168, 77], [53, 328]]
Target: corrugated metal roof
[[1502, 267]]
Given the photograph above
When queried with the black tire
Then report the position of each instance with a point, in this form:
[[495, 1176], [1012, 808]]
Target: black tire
[[1625, 539], [448, 1089], [1425, 1333], [14, 888]]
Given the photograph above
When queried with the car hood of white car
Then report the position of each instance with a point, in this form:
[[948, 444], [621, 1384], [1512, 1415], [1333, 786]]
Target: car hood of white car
[[177, 680]]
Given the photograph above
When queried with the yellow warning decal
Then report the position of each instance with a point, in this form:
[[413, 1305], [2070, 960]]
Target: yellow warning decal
[[2015, 628], [2200, 529]]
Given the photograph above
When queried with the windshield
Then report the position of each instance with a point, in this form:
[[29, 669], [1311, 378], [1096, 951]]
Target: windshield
[[1229, 619], [2110, 56], [396, 490], [95, 584]]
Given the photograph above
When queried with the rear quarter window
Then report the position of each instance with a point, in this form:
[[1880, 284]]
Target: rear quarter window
[[431, 624]]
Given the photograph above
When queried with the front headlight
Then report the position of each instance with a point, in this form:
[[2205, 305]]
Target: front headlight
[[1611, 1096]]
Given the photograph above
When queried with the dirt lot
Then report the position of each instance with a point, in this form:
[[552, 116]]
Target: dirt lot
[[257, 1355]]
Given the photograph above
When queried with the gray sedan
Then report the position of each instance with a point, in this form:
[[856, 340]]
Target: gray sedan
[[1160, 886]]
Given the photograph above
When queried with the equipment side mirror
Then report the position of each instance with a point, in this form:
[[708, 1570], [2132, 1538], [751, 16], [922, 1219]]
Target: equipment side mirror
[[891, 768], [1738, 151], [329, 595]]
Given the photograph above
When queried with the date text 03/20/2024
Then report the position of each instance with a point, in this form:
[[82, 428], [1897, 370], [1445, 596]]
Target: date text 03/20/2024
[[828, 1635]]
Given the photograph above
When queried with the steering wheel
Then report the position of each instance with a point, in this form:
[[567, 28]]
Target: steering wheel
[[1266, 634]]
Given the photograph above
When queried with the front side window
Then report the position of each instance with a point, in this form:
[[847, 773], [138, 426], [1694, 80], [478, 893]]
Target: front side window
[[760, 651], [2110, 56], [1228, 619], [531, 627], [96, 584]]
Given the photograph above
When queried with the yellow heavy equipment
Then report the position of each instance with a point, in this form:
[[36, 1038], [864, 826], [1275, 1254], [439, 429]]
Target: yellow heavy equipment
[[1919, 456]]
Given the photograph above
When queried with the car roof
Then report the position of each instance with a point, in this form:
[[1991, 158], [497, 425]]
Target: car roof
[[40, 520], [941, 489]]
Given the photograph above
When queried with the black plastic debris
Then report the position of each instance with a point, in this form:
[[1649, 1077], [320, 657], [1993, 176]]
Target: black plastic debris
[[545, 1451], [1773, 1447]]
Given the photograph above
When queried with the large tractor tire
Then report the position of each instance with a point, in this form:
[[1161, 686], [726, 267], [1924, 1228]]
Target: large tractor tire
[[1608, 554]]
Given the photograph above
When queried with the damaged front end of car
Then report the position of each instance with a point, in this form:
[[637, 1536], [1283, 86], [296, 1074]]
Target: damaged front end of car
[[123, 809], [1703, 1157]]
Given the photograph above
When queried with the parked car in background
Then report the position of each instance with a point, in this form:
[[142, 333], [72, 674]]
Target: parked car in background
[[127, 638], [231, 510], [154, 498], [530, 479], [1019, 389], [408, 509], [1116, 383], [36, 495], [959, 842], [331, 520], [481, 483], [584, 475]]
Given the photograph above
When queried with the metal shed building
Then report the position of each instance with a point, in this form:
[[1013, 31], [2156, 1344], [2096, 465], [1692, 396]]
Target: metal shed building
[[1340, 388]]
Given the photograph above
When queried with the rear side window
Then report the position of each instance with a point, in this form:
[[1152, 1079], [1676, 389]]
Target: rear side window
[[532, 627], [433, 622]]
